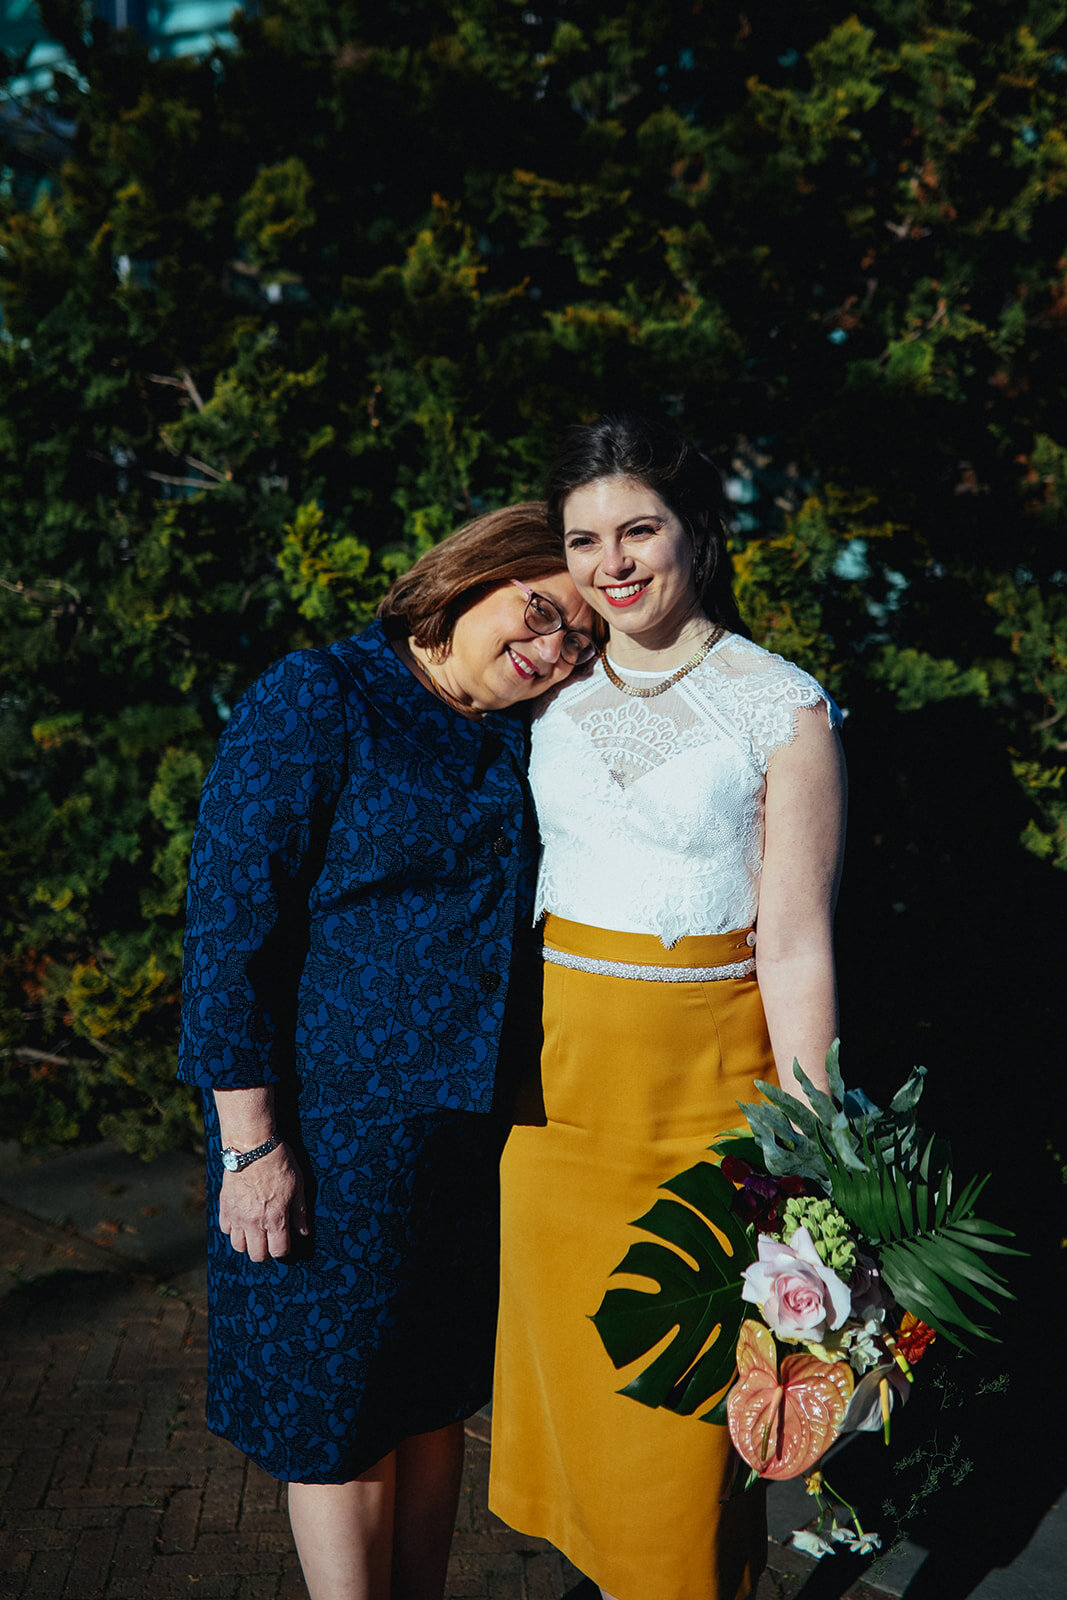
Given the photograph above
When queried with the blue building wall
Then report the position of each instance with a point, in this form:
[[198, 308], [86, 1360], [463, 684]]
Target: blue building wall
[[171, 27]]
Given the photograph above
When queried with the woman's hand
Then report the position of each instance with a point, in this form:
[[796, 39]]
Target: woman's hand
[[262, 1208]]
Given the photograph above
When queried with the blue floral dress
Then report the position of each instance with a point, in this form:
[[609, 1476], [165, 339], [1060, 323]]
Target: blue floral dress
[[360, 887]]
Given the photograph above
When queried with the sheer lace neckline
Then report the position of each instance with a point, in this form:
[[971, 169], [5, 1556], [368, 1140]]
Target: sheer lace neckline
[[651, 810]]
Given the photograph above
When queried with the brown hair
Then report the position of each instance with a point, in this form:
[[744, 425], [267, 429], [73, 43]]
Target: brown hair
[[515, 542], [648, 450]]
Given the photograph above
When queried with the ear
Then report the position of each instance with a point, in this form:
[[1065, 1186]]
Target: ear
[[705, 548], [696, 523]]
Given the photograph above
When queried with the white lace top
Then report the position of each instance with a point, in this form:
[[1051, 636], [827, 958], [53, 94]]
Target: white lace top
[[651, 811]]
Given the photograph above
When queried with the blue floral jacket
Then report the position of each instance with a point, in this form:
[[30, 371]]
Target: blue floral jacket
[[360, 887]]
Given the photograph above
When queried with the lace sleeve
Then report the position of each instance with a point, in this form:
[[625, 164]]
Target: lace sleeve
[[768, 694]]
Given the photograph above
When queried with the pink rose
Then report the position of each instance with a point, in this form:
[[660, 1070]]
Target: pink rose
[[799, 1296]]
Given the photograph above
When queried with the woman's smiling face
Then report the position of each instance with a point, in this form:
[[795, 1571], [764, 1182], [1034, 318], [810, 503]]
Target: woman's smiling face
[[495, 660], [631, 559]]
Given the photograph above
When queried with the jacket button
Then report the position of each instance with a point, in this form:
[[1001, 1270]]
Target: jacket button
[[502, 844], [490, 982]]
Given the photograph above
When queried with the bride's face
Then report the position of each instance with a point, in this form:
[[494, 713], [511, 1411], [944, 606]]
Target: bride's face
[[631, 559]]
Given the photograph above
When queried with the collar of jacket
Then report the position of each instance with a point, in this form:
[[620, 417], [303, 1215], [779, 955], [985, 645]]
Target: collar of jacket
[[464, 745]]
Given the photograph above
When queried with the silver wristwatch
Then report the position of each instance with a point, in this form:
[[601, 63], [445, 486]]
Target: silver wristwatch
[[235, 1160]]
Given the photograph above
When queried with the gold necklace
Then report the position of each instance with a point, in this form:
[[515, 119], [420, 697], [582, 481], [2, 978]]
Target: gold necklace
[[438, 689], [660, 688]]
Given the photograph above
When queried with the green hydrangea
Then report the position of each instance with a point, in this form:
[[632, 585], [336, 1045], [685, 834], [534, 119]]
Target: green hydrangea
[[828, 1230]]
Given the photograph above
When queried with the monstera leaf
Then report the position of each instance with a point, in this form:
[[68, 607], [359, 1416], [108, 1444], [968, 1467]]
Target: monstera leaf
[[781, 1422], [697, 1269]]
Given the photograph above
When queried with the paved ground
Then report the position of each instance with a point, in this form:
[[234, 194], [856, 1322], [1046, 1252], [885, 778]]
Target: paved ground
[[111, 1485]]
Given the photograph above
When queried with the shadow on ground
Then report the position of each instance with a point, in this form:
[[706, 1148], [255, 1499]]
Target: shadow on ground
[[951, 957]]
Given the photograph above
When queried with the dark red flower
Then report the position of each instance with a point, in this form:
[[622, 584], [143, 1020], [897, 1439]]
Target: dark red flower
[[759, 1197], [913, 1338]]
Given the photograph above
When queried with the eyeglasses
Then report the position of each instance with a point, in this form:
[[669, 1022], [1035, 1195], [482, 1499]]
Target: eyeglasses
[[543, 616]]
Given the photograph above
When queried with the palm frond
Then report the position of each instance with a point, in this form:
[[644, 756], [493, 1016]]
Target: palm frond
[[915, 1274], [982, 1230], [930, 1242]]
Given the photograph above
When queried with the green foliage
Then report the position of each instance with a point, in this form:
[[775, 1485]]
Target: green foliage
[[275, 320], [917, 679], [794, 1137], [274, 214], [1033, 619], [896, 1189], [690, 1302], [325, 576], [930, 1242]]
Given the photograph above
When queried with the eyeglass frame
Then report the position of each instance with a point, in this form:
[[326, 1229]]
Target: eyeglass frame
[[533, 599]]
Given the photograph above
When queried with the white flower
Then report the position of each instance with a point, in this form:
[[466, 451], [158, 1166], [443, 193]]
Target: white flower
[[865, 1347], [812, 1544], [860, 1543]]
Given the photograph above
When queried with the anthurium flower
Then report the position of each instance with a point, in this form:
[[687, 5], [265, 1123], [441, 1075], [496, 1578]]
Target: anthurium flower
[[782, 1422], [799, 1296]]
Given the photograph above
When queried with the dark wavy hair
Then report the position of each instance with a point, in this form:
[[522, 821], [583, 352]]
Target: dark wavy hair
[[515, 542], [627, 445]]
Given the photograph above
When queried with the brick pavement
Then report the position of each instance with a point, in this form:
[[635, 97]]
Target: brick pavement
[[111, 1486]]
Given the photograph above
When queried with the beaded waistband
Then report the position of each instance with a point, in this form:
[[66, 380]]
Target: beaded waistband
[[649, 974]]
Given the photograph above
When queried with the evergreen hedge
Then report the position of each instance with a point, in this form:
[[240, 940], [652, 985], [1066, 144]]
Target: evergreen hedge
[[275, 320]]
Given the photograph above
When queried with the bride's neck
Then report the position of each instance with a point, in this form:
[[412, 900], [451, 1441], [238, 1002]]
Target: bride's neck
[[660, 652]]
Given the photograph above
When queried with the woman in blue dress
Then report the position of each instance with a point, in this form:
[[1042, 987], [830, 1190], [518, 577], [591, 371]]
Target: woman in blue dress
[[357, 962]]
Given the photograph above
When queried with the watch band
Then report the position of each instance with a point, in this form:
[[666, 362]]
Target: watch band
[[236, 1160]]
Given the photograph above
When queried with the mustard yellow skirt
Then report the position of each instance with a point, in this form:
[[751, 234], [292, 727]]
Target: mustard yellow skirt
[[638, 1077]]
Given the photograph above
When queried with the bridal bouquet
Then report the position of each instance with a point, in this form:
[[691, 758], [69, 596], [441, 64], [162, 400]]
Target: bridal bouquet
[[805, 1274]]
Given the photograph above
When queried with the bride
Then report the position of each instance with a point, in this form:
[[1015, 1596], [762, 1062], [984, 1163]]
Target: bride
[[690, 796]]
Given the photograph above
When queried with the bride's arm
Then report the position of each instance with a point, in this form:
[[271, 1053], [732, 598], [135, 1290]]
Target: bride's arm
[[805, 824]]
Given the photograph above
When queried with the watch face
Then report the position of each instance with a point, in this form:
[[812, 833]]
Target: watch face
[[231, 1161]]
